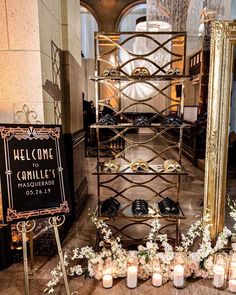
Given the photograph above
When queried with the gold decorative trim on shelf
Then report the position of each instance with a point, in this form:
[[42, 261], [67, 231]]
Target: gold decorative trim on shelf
[[125, 169], [130, 125], [141, 78], [126, 212]]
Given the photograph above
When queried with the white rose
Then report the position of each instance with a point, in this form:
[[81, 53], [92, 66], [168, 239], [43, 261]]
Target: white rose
[[149, 245], [233, 245], [132, 254], [141, 248], [208, 263], [227, 232]]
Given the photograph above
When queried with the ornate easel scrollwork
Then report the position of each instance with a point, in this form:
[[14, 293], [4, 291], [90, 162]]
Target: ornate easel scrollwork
[[57, 220], [25, 226]]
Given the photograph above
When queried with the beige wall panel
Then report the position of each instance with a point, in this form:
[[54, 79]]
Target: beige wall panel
[[52, 90], [64, 13], [90, 70], [54, 6], [64, 37], [47, 80], [20, 76], [45, 29], [6, 112], [23, 24], [75, 95], [46, 3], [74, 17], [56, 33], [74, 47], [52, 112], [3, 26], [75, 85], [50, 30]]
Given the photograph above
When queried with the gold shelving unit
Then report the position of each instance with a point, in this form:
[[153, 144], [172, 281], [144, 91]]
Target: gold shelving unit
[[117, 51]]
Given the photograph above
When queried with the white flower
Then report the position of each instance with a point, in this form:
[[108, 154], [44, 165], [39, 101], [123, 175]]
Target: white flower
[[233, 245], [208, 264], [194, 256], [141, 248], [132, 254]]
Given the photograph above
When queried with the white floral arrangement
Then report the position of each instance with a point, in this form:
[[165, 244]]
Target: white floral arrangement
[[156, 254]]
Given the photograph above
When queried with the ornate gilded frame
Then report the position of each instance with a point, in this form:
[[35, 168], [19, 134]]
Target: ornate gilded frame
[[222, 44]]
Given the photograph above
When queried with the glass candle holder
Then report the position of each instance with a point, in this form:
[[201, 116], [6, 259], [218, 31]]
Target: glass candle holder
[[132, 276], [107, 279], [179, 279], [157, 279], [218, 276], [232, 277]]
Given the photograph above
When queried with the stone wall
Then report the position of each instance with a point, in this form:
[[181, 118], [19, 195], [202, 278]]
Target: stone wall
[[20, 66], [59, 24], [40, 62]]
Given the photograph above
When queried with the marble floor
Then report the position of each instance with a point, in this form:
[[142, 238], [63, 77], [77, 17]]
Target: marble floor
[[83, 233]]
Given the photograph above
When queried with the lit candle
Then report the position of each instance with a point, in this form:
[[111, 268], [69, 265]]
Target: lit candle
[[107, 281], [219, 276], [178, 276], [132, 277], [156, 279]]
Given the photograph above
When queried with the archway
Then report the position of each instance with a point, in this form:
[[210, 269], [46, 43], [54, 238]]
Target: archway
[[127, 20], [89, 26]]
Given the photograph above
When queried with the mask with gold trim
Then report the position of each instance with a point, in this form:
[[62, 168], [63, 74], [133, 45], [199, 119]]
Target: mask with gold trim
[[111, 166], [111, 72], [171, 166], [139, 166], [140, 72], [174, 72]]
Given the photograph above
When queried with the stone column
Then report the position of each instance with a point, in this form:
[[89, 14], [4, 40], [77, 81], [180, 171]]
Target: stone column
[[21, 98], [40, 62]]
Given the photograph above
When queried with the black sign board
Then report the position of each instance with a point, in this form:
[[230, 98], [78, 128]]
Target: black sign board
[[33, 175]]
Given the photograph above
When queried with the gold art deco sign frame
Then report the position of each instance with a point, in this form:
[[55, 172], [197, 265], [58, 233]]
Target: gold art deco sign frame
[[219, 96]]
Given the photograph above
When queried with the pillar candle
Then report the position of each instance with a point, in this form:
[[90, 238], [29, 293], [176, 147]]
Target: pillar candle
[[107, 281], [178, 276], [156, 279], [132, 277], [232, 286], [219, 276], [233, 269]]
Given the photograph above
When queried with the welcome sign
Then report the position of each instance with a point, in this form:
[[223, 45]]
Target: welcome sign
[[33, 175]]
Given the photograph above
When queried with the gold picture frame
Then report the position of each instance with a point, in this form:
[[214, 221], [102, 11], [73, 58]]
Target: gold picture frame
[[223, 40]]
